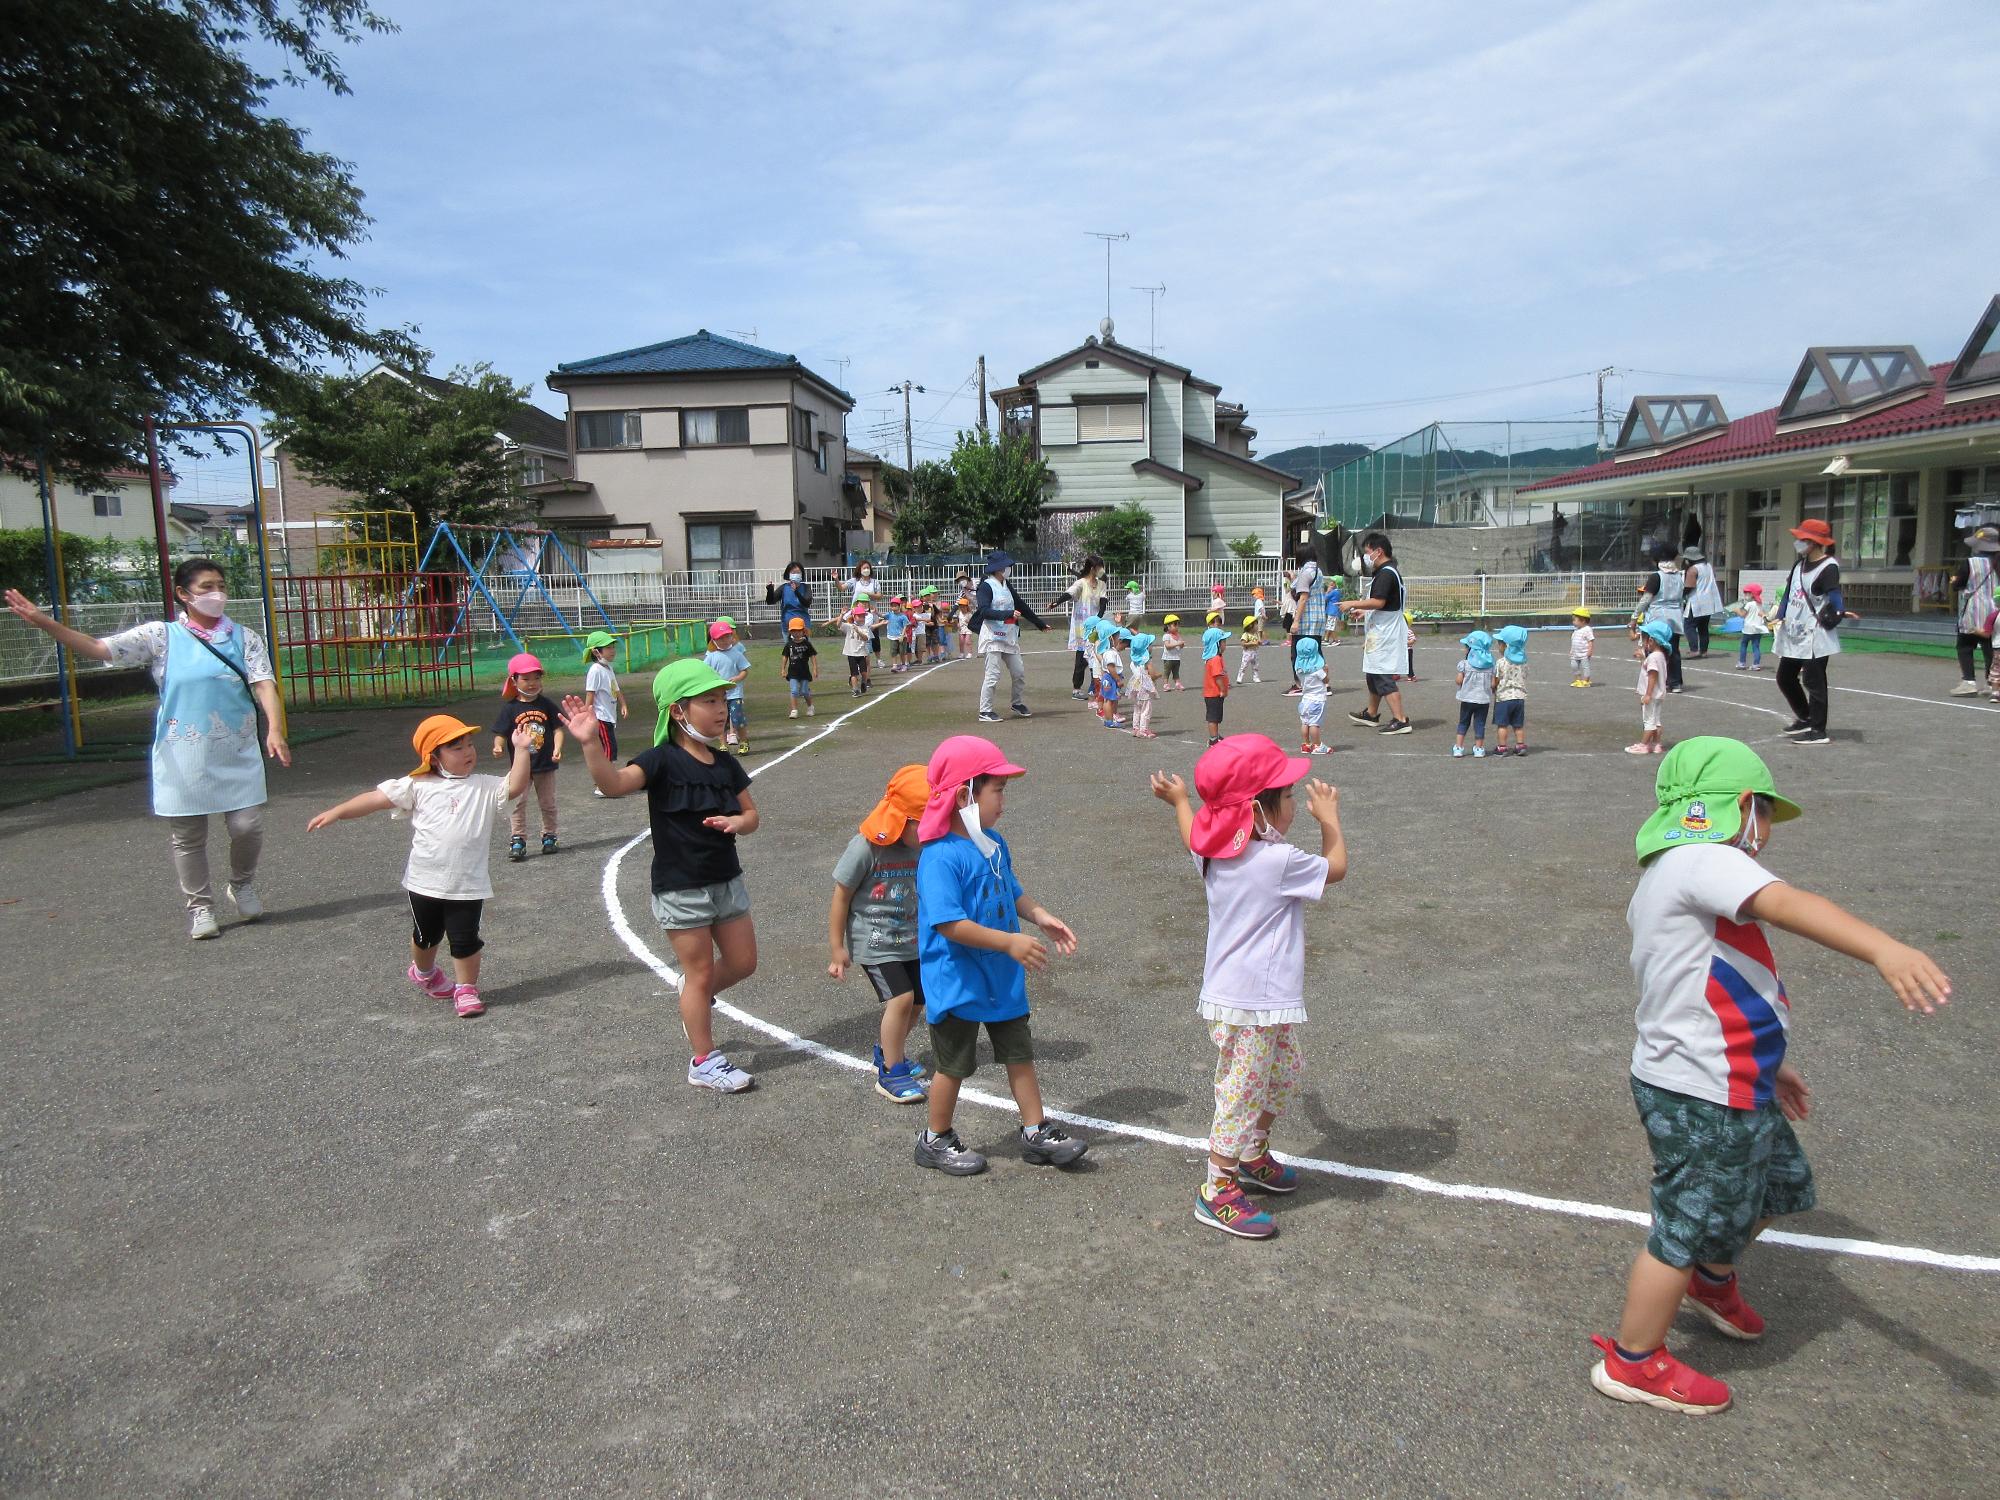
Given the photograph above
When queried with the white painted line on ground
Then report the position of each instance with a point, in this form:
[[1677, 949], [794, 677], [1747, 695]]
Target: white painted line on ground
[[1973, 708], [1413, 1181]]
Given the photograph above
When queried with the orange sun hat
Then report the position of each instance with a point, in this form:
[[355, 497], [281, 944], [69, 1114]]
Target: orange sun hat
[[436, 731], [909, 789]]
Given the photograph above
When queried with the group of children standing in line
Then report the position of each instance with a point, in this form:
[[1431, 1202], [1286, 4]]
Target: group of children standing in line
[[920, 632]]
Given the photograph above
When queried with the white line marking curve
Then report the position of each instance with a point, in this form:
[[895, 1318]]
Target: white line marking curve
[[1413, 1181]]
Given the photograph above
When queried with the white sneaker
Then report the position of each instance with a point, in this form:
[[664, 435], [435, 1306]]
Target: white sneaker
[[719, 1073], [793, 714], [597, 791], [247, 904], [809, 710], [202, 924], [1966, 689]]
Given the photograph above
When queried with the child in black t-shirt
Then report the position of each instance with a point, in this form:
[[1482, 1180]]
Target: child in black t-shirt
[[699, 801], [801, 667], [525, 705]]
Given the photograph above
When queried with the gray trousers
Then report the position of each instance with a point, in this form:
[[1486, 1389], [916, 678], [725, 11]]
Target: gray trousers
[[992, 679], [190, 840]]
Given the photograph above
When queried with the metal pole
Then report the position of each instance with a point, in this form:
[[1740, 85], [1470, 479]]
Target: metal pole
[[982, 393], [909, 452], [159, 520], [58, 597]]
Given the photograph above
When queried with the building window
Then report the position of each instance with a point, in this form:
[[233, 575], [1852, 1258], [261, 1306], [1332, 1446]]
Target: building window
[[819, 455], [607, 429], [1711, 512], [1111, 422], [534, 468], [719, 547], [1874, 517], [803, 425], [703, 427], [1198, 548], [107, 505], [1760, 531]]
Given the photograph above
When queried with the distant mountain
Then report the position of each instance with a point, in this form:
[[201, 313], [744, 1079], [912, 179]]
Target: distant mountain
[[1314, 459]]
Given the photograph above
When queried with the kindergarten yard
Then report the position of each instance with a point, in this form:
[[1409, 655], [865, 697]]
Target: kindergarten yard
[[276, 1224]]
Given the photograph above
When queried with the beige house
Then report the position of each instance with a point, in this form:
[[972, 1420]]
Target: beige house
[[734, 457], [120, 509], [877, 528]]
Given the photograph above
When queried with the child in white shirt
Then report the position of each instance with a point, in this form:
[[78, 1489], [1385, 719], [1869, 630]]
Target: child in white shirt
[[600, 683], [451, 814], [1582, 647], [857, 642], [1756, 625], [1651, 654], [1312, 696], [1142, 686], [1250, 640], [1170, 654], [1111, 677]]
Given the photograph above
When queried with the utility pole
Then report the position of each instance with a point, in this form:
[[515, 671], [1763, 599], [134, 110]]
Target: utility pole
[[1109, 240], [982, 393], [1153, 295], [1601, 374], [909, 448]]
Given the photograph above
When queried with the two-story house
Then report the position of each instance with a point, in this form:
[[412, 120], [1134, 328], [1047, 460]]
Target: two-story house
[[732, 456], [1116, 425]]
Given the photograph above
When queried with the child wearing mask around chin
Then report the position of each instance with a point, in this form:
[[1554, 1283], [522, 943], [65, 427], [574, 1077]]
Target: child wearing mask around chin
[[451, 813], [1253, 984], [699, 804]]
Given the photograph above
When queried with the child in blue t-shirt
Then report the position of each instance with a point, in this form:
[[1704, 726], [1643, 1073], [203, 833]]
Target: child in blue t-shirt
[[974, 957], [729, 661], [899, 630]]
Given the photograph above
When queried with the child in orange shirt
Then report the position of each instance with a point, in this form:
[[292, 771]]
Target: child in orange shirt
[[1214, 678]]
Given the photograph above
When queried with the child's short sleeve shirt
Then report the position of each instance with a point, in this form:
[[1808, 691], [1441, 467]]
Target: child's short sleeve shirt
[[1653, 676], [882, 917], [1312, 685], [956, 883], [543, 719], [1256, 959], [451, 832], [1580, 640], [1214, 677], [799, 654], [1713, 1015], [681, 794], [1510, 681], [1478, 684], [1170, 646], [602, 685]]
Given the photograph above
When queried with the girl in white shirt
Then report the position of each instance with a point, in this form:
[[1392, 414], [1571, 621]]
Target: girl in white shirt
[[451, 814]]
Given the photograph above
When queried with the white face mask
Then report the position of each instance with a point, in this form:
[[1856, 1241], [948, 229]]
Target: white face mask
[[795, 575], [968, 818], [695, 734], [209, 604], [1801, 547], [1746, 838]]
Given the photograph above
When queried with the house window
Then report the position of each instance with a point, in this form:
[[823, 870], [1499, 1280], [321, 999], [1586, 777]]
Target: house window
[[714, 425], [803, 423], [107, 505], [534, 468], [819, 454], [1110, 422], [1874, 517], [718, 547], [607, 429], [1760, 531], [1198, 548]]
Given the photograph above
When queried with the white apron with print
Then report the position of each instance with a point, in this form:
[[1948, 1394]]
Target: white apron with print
[[1800, 635], [1386, 642], [994, 635], [206, 758]]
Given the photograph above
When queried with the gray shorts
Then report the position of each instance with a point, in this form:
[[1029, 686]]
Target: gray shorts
[[701, 905]]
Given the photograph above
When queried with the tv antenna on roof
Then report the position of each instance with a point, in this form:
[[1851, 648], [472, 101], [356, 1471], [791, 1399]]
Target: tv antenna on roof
[[1153, 295], [1109, 239], [743, 333]]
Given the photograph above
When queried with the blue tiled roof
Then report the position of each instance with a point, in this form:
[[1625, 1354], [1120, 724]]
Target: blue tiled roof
[[698, 353]]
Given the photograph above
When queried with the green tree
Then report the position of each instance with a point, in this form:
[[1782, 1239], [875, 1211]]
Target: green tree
[[998, 486], [927, 514], [1249, 548], [1122, 537], [417, 444], [161, 231]]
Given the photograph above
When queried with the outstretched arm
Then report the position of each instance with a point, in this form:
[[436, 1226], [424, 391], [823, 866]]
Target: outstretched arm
[[1917, 981], [1171, 790], [76, 640], [353, 807], [613, 781]]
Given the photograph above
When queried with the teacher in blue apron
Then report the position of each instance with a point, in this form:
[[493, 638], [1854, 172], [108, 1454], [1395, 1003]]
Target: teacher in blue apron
[[1663, 597], [213, 675]]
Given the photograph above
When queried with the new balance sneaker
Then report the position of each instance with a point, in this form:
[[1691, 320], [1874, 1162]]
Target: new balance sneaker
[[1657, 1380], [1228, 1210], [201, 923], [437, 984], [517, 849], [248, 907], [718, 1073], [1360, 716], [549, 843], [947, 1153], [987, 716], [899, 1083], [1049, 1145], [1724, 1307], [465, 1000], [1394, 726], [1266, 1174]]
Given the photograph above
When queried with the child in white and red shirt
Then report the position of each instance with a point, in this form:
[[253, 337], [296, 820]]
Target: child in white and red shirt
[[1709, 1075]]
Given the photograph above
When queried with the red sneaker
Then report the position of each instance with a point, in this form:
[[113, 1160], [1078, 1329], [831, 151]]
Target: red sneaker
[[1724, 1307], [1657, 1380]]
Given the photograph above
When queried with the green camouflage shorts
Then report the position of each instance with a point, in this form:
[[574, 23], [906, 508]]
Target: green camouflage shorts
[[1716, 1172]]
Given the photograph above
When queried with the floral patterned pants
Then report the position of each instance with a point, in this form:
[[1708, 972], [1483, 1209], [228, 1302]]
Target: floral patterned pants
[[1256, 1071]]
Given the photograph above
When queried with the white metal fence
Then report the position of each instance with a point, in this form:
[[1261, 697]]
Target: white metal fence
[[27, 654]]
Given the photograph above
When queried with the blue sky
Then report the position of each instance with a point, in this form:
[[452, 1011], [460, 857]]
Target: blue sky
[[1350, 204]]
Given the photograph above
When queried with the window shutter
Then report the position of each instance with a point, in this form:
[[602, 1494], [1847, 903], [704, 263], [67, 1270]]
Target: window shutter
[[1058, 426]]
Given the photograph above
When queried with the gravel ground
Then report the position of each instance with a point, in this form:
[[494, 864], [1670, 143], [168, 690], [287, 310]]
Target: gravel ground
[[278, 1225]]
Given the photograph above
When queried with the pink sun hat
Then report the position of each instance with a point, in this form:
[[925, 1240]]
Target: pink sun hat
[[1228, 778], [515, 666], [718, 630], [953, 764]]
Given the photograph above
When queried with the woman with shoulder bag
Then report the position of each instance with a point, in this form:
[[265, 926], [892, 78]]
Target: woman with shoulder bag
[[1809, 614]]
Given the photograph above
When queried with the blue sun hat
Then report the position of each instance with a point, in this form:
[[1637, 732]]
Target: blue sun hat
[[1142, 648], [1659, 630], [1478, 650], [1307, 656], [1211, 642], [1515, 639], [1121, 633]]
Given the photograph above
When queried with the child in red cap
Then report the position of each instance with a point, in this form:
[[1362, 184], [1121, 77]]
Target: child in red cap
[[1253, 985], [974, 956], [525, 703]]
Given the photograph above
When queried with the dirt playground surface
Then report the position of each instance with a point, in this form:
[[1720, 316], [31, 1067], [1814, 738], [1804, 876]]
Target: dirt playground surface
[[277, 1224]]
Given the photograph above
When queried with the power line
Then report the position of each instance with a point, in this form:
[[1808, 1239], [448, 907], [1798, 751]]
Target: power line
[[1491, 390]]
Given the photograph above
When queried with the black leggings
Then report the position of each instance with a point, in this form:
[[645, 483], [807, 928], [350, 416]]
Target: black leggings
[[1698, 634], [457, 922], [1804, 685], [1078, 672], [1968, 647]]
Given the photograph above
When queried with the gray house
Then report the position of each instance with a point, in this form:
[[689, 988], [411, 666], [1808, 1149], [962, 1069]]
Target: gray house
[[1117, 425]]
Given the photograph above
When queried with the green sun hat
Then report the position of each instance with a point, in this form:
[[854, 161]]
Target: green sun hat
[[725, 620], [597, 638], [1131, 585], [926, 591], [1699, 786], [678, 681]]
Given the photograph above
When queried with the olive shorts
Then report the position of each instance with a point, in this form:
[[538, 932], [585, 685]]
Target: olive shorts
[[953, 1040], [1716, 1172]]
